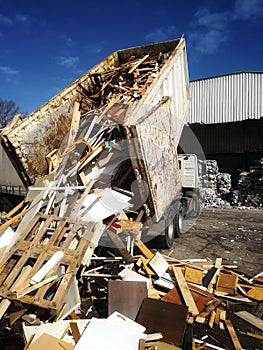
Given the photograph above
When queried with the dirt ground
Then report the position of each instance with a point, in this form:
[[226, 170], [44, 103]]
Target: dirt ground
[[233, 234]]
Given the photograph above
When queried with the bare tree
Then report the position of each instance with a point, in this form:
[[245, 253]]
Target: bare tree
[[7, 110]]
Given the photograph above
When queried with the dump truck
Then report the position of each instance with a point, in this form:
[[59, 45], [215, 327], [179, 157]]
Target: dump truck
[[133, 103]]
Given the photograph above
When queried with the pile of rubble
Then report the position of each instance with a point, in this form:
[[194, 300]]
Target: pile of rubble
[[216, 189], [66, 294], [214, 185], [250, 186], [76, 274]]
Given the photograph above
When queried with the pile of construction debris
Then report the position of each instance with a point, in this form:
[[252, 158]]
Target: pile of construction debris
[[216, 189], [250, 186], [214, 185], [101, 297], [76, 274]]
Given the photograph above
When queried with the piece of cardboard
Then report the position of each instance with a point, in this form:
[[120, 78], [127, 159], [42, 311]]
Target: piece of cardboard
[[47, 341]]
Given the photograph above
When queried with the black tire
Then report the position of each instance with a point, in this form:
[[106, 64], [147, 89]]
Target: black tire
[[179, 221], [173, 225]]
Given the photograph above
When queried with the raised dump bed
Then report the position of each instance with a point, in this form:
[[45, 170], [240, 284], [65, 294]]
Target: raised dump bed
[[143, 89]]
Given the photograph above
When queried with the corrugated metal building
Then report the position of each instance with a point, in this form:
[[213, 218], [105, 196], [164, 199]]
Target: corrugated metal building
[[226, 116]]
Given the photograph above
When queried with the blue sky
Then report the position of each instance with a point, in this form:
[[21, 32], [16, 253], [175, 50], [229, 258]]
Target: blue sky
[[45, 45]]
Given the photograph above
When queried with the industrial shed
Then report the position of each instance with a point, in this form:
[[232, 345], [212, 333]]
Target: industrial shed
[[226, 117]]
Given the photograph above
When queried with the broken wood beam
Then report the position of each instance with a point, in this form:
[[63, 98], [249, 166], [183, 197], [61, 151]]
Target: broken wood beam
[[187, 296], [74, 124], [250, 318], [233, 335]]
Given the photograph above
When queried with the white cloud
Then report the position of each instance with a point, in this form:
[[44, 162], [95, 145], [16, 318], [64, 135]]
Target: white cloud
[[207, 42], [68, 61], [22, 18], [8, 71], [96, 49], [66, 39], [248, 9], [216, 20], [18, 18], [9, 74], [5, 19], [210, 30], [162, 34]]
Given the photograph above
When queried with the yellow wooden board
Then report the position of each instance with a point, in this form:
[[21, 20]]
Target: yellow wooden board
[[255, 293], [193, 275]]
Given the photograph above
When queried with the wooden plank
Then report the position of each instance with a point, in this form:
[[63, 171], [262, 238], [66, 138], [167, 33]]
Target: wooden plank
[[200, 296], [227, 283], [212, 319], [233, 335], [146, 251], [173, 296], [29, 342], [138, 63], [14, 316], [188, 298], [141, 344], [23, 291], [201, 318], [15, 209], [120, 247], [193, 275], [217, 318], [13, 219], [5, 303], [250, 318], [65, 346], [222, 316], [91, 156], [254, 335], [75, 331], [221, 326], [255, 293], [241, 277], [74, 123]]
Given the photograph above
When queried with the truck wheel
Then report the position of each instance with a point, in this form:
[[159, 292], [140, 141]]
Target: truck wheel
[[166, 238], [178, 221]]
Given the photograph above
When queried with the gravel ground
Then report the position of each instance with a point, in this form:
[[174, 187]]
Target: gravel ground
[[233, 234]]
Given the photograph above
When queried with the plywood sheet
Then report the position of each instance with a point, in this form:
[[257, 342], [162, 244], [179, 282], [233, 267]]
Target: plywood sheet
[[165, 317], [126, 297], [200, 296]]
